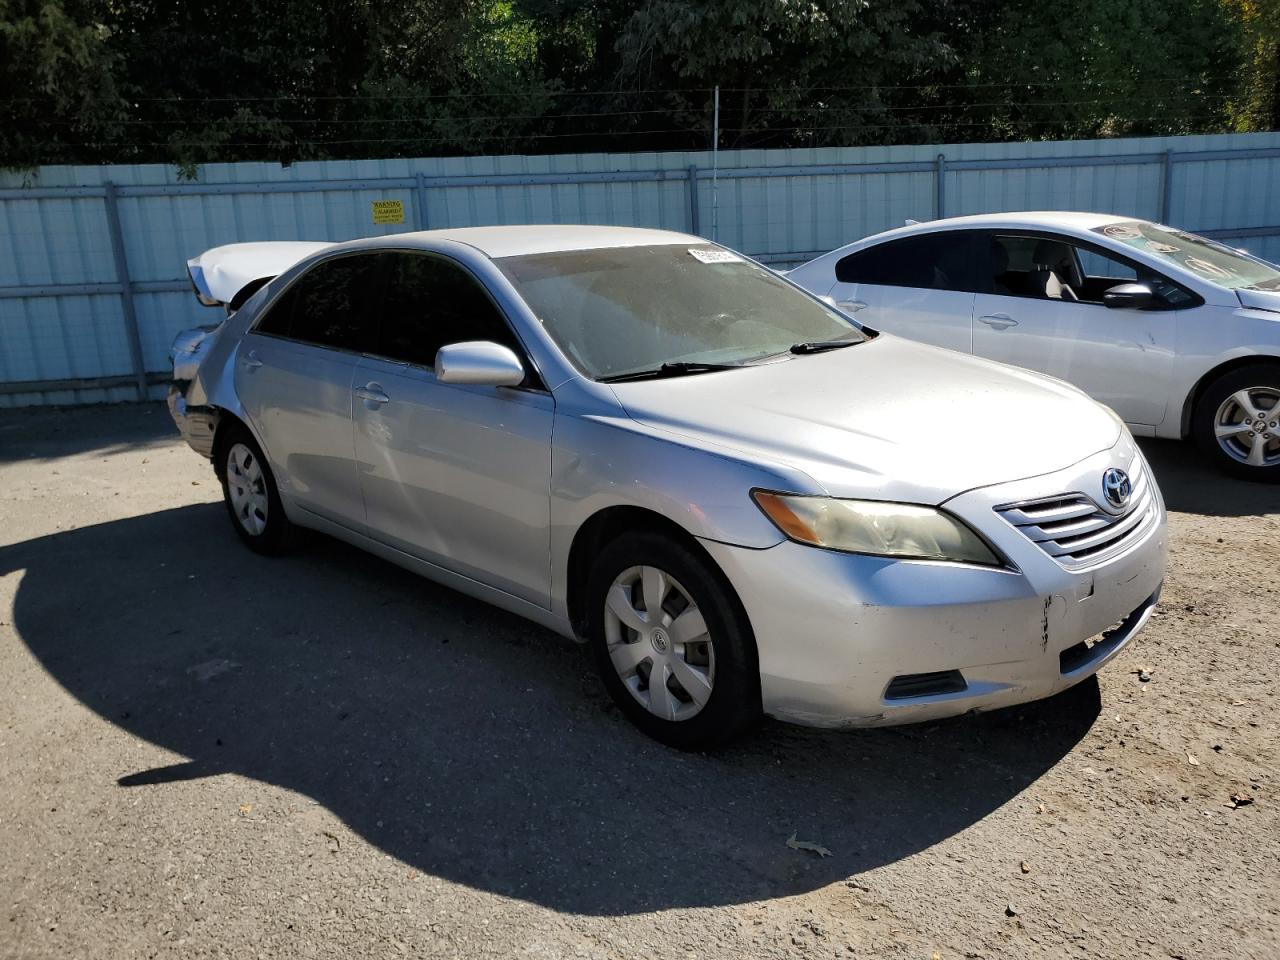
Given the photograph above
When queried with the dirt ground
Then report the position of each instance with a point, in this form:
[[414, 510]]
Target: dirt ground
[[208, 753]]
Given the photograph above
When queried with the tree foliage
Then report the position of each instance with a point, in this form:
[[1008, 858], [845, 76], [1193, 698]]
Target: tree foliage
[[193, 81]]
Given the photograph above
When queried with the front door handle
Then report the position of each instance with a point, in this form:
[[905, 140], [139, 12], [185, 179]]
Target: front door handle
[[250, 360], [852, 306], [999, 321], [372, 393]]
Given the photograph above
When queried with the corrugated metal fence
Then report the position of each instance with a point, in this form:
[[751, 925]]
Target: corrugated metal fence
[[92, 259]]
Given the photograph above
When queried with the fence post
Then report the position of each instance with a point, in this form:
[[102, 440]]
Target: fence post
[[940, 188], [694, 215], [1166, 186], [420, 195], [126, 287]]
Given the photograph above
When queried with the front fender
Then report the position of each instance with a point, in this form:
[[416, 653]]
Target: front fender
[[603, 461]]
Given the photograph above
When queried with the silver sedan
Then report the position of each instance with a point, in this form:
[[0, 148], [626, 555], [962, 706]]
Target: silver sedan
[[743, 500]]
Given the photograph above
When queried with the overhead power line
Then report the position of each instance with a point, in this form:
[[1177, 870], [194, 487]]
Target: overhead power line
[[556, 94]]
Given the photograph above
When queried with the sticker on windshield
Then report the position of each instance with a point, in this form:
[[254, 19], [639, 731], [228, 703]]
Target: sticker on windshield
[[1206, 268], [1122, 231], [714, 256]]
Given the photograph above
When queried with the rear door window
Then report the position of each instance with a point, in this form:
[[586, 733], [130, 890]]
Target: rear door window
[[933, 261], [328, 306]]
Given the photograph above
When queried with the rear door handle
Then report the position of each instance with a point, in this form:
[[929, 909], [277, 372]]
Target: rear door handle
[[853, 306], [372, 393], [1000, 321], [250, 360]]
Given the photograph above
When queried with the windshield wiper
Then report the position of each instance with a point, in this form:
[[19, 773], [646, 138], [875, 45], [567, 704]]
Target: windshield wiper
[[675, 368], [821, 346]]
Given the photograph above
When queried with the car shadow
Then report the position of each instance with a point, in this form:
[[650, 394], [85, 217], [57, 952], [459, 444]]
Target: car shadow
[[1191, 484], [471, 744], [52, 433]]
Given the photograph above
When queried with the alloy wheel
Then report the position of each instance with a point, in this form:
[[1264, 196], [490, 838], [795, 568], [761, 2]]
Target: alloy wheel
[[658, 643], [1247, 426], [247, 488]]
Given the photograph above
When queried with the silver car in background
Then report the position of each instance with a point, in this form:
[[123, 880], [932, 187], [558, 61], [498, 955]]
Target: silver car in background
[[743, 500]]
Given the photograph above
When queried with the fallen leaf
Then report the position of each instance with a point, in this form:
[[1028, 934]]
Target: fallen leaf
[[246, 808], [809, 845], [1024, 867], [1192, 760], [1239, 799]]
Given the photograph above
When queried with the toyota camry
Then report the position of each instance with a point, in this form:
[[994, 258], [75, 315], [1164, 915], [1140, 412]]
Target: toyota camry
[[742, 499]]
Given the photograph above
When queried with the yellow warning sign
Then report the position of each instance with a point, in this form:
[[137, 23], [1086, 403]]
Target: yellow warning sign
[[388, 211]]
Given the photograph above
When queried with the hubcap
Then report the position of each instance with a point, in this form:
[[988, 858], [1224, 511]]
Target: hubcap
[[1244, 426], [247, 489], [658, 643]]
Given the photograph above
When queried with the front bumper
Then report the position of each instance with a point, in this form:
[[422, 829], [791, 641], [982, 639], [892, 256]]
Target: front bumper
[[849, 640], [196, 424]]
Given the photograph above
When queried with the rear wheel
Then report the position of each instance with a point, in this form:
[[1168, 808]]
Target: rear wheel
[[672, 643], [1237, 422], [249, 491]]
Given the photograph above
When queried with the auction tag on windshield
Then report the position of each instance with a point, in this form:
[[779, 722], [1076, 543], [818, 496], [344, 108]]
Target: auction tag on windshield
[[714, 256]]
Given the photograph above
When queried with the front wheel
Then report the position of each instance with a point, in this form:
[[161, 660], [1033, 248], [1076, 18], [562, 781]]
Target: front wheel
[[1237, 422], [672, 643], [249, 491]]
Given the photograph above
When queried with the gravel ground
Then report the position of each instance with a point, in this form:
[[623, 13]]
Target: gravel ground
[[208, 753]]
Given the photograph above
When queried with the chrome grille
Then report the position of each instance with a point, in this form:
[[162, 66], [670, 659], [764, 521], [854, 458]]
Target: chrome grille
[[1074, 530]]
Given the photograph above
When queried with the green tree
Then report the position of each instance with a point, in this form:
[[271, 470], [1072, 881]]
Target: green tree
[[1258, 104], [59, 98], [1105, 68]]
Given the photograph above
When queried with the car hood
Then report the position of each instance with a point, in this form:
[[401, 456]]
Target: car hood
[[1260, 299], [888, 419]]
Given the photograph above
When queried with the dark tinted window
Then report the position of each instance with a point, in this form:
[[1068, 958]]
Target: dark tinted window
[[278, 316], [932, 261], [328, 305], [430, 302]]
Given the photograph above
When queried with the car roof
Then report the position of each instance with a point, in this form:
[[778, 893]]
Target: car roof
[[496, 242], [1016, 220]]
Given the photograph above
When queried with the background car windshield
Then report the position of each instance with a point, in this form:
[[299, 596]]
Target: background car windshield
[[1215, 262], [619, 310]]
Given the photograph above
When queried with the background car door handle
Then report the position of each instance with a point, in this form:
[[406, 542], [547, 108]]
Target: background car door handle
[[999, 321], [853, 306], [373, 393], [250, 360]]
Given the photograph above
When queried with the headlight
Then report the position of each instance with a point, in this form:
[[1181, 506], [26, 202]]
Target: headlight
[[874, 527]]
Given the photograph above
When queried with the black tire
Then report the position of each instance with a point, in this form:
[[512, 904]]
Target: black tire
[[276, 531], [734, 701], [1258, 376]]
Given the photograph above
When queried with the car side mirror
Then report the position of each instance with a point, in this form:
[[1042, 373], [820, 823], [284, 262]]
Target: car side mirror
[[1128, 296], [479, 363]]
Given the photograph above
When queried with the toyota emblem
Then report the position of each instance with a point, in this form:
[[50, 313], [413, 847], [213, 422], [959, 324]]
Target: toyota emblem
[[1117, 487]]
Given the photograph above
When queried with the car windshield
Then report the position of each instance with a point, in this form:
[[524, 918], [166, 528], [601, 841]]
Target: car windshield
[[621, 310], [1215, 262]]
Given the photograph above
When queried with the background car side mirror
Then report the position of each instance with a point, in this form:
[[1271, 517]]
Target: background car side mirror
[[1129, 296], [480, 363]]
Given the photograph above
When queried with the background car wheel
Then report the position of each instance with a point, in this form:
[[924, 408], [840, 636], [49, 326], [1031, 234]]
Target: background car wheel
[[672, 643], [1237, 422], [249, 491]]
